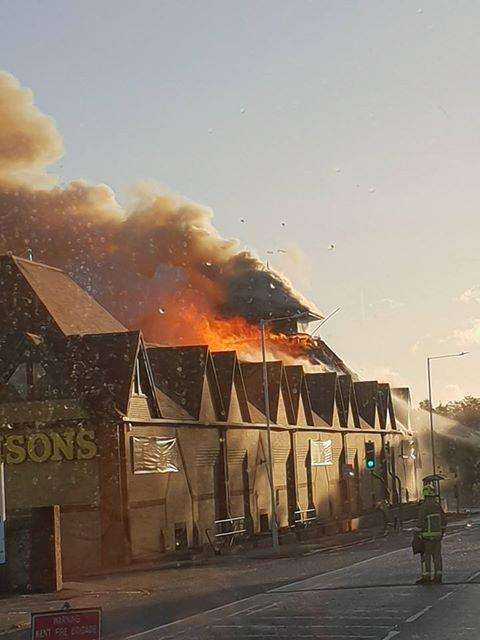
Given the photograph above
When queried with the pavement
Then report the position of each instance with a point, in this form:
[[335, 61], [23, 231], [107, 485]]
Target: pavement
[[360, 589]]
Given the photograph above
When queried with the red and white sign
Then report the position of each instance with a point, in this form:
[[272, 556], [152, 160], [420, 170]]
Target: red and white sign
[[70, 624]]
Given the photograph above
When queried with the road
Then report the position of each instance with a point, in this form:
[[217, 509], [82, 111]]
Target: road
[[372, 598]]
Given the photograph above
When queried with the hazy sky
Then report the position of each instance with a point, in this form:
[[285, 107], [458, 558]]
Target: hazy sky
[[355, 123]]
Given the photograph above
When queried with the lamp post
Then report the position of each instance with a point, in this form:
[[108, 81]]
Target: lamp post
[[266, 397], [430, 408]]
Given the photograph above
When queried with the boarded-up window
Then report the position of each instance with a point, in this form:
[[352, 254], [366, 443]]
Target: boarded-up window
[[321, 453], [154, 455]]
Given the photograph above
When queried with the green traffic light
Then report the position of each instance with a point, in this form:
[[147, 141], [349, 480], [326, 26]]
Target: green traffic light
[[370, 464]]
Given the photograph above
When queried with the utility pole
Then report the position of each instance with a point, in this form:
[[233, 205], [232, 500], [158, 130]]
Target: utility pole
[[3, 514], [430, 402], [266, 397]]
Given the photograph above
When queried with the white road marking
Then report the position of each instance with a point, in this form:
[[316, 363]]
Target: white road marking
[[352, 626], [268, 606], [384, 609], [277, 590], [236, 613], [447, 595], [391, 634], [472, 577], [288, 586], [338, 617], [196, 615], [417, 615], [330, 549], [337, 635]]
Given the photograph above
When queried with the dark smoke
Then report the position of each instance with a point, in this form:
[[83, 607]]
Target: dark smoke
[[129, 258]]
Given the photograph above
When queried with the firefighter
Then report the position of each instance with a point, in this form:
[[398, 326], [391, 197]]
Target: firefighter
[[383, 507], [431, 524]]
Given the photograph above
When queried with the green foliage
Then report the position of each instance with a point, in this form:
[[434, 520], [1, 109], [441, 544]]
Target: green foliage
[[456, 447], [465, 411]]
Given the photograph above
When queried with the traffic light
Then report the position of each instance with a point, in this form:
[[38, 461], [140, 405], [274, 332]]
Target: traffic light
[[370, 455]]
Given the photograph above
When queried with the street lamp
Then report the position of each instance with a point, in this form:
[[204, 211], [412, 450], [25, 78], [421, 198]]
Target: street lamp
[[430, 408], [309, 317]]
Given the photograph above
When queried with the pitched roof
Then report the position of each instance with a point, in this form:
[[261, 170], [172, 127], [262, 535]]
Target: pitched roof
[[324, 354], [72, 310], [169, 408], [179, 373], [366, 396], [321, 390], [15, 349], [253, 379], [343, 398], [294, 375], [230, 378], [100, 368], [224, 362], [383, 402]]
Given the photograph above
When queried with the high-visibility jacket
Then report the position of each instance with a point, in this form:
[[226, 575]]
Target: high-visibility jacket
[[431, 519]]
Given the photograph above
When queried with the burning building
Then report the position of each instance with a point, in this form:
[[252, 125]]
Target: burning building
[[130, 384], [157, 264], [148, 449]]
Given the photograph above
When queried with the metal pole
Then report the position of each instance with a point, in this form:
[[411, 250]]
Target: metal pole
[[3, 506], [432, 436], [274, 524]]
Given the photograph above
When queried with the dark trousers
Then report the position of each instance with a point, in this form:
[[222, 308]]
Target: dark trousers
[[432, 559]]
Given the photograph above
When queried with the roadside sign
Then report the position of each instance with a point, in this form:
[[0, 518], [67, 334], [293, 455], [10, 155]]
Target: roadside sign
[[3, 555], [69, 624]]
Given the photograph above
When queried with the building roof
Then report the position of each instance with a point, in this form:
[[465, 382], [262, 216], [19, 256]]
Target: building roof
[[321, 390], [366, 395], [169, 408], [100, 367], [343, 398], [72, 310], [225, 362], [179, 373], [253, 379], [294, 376], [383, 403], [324, 354]]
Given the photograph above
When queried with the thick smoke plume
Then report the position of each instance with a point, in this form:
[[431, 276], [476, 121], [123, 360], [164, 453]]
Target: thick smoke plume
[[158, 263]]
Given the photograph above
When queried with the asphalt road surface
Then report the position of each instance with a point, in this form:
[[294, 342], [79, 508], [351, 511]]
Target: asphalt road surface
[[373, 598]]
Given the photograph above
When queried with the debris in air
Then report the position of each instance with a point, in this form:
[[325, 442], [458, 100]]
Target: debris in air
[[331, 247], [161, 310]]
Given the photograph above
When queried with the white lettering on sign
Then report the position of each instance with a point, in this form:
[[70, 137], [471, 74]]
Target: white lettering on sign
[[80, 624]]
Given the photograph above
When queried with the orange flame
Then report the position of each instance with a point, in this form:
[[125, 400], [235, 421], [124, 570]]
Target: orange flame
[[186, 324]]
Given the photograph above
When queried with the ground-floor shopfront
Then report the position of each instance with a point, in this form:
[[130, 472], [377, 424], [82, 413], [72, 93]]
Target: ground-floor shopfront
[[133, 490]]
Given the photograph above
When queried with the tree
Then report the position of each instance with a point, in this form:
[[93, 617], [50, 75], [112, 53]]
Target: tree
[[458, 442], [465, 411]]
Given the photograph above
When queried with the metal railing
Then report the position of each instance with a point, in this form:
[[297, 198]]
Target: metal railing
[[225, 532], [304, 517]]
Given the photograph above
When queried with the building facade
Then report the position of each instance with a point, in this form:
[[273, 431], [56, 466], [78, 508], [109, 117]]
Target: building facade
[[150, 449]]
